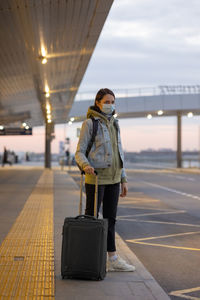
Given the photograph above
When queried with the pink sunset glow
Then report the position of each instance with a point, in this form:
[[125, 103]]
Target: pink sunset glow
[[137, 134]]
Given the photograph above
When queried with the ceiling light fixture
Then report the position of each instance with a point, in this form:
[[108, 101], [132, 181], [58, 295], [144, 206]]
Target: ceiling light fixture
[[43, 57], [43, 51], [149, 116], [48, 112], [160, 112], [190, 114], [48, 107], [44, 60], [47, 93]]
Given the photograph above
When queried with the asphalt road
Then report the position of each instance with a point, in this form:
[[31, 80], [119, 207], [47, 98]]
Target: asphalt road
[[15, 187], [160, 222]]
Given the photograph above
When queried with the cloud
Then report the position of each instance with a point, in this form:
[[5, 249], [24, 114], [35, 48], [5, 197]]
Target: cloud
[[130, 29], [147, 42]]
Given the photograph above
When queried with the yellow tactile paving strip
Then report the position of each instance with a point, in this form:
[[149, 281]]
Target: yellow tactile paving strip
[[27, 253]]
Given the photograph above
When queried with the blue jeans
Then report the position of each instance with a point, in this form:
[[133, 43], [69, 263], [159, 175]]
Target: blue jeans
[[108, 194]]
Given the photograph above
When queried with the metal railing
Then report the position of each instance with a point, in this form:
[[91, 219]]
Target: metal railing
[[145, 91]]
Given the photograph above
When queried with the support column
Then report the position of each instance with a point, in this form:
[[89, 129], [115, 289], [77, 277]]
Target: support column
[[47, 145], [179, 141]]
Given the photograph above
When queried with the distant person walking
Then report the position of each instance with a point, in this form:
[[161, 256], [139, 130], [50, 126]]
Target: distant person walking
[[27, 156], [5, 158], [106, 157]]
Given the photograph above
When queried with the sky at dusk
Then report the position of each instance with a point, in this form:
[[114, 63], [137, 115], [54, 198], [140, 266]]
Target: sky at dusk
[[144, 43]]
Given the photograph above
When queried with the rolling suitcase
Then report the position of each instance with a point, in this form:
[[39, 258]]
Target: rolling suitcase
[[84, 244]]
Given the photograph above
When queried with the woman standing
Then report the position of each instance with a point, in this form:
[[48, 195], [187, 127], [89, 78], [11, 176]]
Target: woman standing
[[106, 157]]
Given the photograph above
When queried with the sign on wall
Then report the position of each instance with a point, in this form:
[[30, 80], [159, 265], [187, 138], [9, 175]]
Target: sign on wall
[[15, 131]]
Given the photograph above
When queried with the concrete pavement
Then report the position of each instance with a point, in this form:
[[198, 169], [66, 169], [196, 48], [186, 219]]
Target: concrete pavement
[[31, 269]]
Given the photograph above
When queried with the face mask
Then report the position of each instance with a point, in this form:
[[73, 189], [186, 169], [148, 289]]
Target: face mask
[[108, 108]]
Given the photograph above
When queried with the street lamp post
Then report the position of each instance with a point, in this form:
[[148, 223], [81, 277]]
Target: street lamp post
[[179, 141]]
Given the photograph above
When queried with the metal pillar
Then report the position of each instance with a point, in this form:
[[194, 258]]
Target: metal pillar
[[179, 151], [47, 145]]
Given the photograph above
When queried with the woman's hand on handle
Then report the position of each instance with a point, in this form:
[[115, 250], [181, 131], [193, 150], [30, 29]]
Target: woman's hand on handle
[[124, 189], [89, 170]]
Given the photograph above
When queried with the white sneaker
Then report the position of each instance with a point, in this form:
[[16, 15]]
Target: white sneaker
[[119, 265]]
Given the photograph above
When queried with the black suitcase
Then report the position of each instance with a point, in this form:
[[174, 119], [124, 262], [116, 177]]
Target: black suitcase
[[84, 244]]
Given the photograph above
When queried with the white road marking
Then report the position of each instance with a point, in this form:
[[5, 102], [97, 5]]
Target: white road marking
[[181, 177], [142, 241], [159, 222], [164, 246], [154, 214], [182, 293], [172, 190], [147, 208], [165, 236]]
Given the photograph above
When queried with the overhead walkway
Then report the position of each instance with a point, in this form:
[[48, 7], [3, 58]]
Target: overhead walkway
[[161, 105], [142, 106], [30, 247]]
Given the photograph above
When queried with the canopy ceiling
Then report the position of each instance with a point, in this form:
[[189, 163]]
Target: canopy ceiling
[[64, 32]]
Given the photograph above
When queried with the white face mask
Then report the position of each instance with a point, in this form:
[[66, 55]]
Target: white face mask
[[108, 108]]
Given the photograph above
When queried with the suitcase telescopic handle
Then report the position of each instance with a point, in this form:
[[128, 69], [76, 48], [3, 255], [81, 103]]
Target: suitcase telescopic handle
[[95, 194]]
